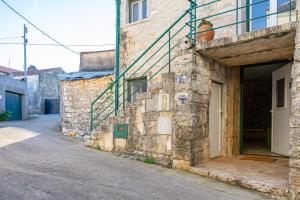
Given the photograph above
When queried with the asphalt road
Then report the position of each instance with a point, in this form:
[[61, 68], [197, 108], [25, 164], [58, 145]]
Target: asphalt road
[[37, 163]]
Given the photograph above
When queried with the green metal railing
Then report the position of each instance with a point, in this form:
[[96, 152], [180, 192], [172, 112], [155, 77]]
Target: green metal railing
[[159, 56]]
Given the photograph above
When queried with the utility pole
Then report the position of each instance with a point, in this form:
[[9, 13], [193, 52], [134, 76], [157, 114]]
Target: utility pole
[[25, 41], [117, 51]]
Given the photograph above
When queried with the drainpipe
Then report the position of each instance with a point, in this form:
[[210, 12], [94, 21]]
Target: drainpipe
[[191, 19], [117, 54]]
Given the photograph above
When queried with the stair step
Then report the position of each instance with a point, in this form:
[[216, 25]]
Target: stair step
[[106, 127]]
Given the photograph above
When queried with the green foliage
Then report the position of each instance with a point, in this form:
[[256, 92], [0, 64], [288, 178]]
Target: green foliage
[[149, 160], [98, 147], [204, 21], [4, 115]]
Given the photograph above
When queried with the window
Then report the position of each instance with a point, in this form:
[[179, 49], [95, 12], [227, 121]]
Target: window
[[136, 86], [138, 10], [280, 93]]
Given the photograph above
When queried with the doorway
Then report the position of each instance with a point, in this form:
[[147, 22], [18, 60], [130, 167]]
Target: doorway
[[263, 130], [13, 105]]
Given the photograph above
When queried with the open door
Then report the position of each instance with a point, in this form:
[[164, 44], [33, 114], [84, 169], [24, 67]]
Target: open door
[[281, 109], [215, 120]]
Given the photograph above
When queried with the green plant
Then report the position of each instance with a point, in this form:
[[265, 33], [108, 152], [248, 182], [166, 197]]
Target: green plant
[[204, 21], [149, 160], [98, 147], [4, 115]]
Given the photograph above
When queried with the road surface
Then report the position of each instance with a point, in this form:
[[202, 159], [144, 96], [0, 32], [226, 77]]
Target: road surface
[[36, 162]]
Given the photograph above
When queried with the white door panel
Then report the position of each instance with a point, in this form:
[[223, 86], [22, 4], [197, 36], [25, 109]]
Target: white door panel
[[281, 109], [215, 120]]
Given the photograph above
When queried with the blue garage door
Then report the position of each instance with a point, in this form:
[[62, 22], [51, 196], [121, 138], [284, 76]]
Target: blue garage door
[[13, 104]]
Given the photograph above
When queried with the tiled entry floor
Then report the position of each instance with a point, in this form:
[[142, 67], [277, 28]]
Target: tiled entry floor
[[265, 174]]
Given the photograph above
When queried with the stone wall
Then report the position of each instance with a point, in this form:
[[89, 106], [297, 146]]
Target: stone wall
[[76, 99], [231, 137], [150, 124], [97, 60], [151, 133], [194, 75], [42, 86], [161, 14], [175, 130], [136, 37], [220, 20], [294, 175], [49, 88], [33, 94]]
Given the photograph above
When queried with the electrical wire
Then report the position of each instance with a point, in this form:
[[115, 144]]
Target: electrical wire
[[46, 44], [8, 38], [44, 33]]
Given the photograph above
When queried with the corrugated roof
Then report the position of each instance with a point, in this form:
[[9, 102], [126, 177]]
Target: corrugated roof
[[34, 71], [87, 52], [8, 70], [83, 75]]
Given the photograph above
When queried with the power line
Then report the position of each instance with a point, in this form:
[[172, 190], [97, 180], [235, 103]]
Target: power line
[[44, 33], [49, 44], [8, 38]]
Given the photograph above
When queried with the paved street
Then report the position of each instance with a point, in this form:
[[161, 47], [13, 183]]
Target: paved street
[[36, 162]]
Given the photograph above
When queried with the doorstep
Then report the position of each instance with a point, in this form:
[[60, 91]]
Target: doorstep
[[269, 177]]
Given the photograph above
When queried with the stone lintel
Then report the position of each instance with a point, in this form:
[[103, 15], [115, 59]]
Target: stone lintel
[[265, 45]]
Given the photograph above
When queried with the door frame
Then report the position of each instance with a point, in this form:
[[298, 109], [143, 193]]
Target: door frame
[[242, 109]]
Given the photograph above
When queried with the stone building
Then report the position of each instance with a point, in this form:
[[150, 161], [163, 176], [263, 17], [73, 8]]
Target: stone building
[[95, 74], [43, 87], [7, 70], [226, 108], [75, 108], [93, 61]]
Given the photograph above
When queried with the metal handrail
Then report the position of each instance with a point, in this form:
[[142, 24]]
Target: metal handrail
[[111, 85], [134, 73], [242, 21], [192, 11], [107, 116]]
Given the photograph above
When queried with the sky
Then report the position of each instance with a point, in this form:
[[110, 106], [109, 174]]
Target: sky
[[68, 21]]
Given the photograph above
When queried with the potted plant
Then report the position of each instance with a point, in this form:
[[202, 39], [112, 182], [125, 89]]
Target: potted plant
[[205, 31]]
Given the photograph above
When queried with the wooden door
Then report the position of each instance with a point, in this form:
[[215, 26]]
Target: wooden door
[[215, 120]]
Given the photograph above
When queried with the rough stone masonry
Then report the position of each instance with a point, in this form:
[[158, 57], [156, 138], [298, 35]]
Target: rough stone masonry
[[294, 176], [76, 99]]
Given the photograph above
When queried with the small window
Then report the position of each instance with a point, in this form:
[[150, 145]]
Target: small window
[[280, 93], [135, 12], [145, 9], [138, 10], [135, 87]]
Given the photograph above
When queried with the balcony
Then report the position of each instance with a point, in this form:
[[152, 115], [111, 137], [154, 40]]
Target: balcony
[[260, 46]]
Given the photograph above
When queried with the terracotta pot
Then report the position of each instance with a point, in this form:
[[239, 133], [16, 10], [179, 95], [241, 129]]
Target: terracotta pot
[[205, 33]]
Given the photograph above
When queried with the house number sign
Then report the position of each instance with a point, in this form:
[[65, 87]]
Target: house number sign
[[181, 79]]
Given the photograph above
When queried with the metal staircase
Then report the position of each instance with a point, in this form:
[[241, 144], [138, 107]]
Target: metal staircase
[[158, 57]]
